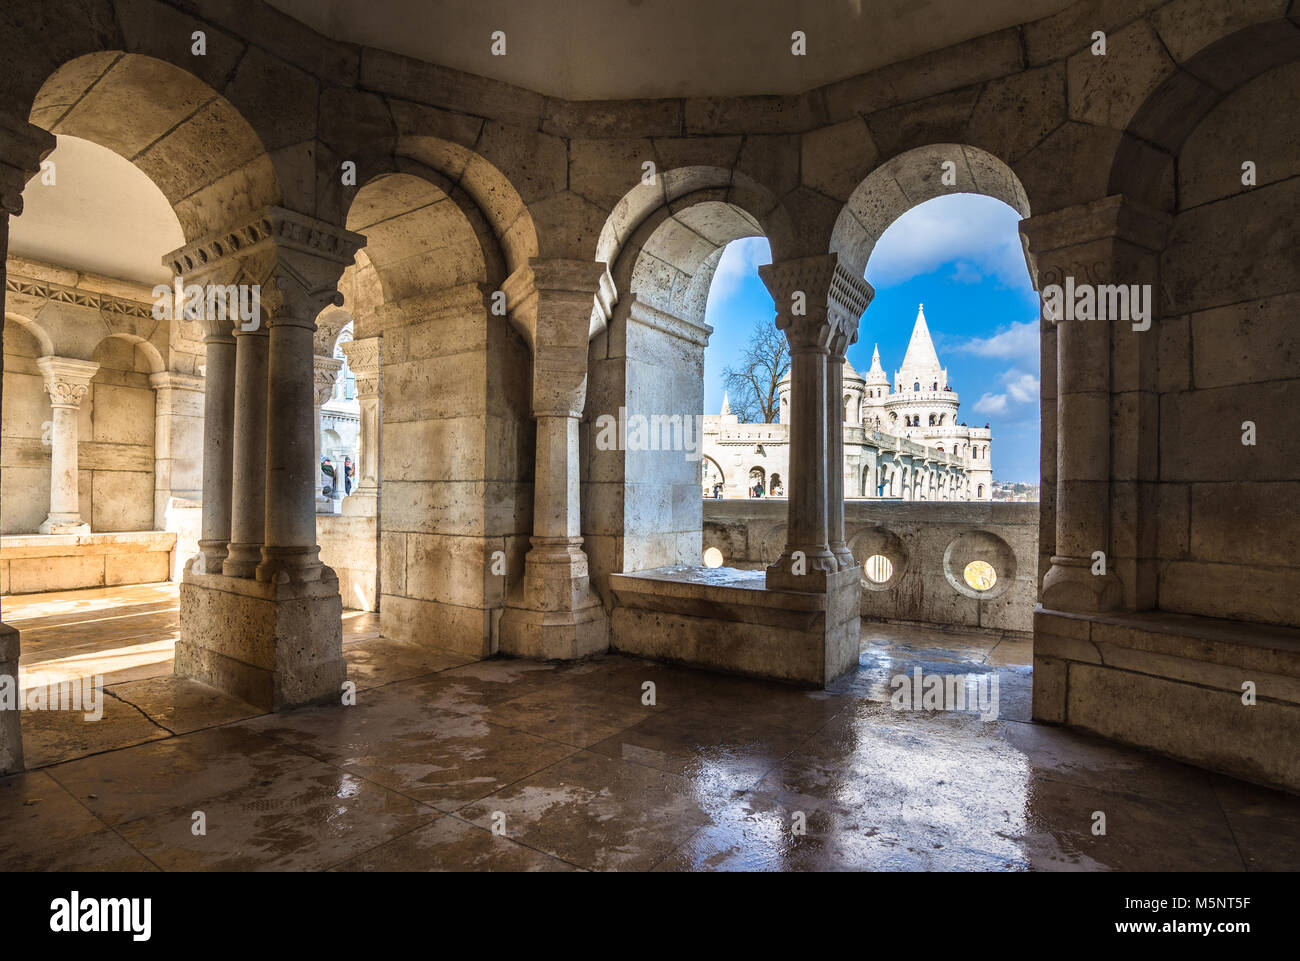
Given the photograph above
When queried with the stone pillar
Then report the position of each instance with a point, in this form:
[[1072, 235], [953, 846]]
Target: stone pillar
[[66, 381], [311, 257], [325, 372], [1106, 242], [178, 464], [180, 416], [221, 380], [559, 306], [22, 148], [363, 361], [839, 345], [273, 639], [817, 300], [248, 467]]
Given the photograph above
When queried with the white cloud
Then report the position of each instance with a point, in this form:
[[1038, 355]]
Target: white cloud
[[1019, 394], [740, 259], [978, 231], [1016, 342]]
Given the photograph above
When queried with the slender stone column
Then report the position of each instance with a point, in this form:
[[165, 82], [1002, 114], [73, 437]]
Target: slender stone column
[[559, 306], [310, 258], [248, 471], [1106, 242], [817, 300], [67, 381], [218, 447], [835, 451], [363, 361], [325, 372]]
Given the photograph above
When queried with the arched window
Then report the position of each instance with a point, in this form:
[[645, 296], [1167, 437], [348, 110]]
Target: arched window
[[916, 386], [981, 491], [931, 420]]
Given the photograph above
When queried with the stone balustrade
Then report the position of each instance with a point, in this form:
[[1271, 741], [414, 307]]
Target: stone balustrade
[[927, 546]]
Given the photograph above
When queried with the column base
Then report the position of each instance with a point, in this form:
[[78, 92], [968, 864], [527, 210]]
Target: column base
[[843, 556], [272, 645], [63, 524], [806, 573], [241, 560], [281, 565], [11, 728], [361, 503], [556, 615], [210, 558], [1070, 585]]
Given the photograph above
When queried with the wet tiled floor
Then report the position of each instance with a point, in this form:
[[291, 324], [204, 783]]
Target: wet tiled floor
[[447, 764]]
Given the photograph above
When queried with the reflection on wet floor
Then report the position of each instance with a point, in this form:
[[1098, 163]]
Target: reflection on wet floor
[[576, 771]]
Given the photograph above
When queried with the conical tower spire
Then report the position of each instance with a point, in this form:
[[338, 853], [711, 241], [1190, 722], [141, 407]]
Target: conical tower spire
[[726, 404], [921, 363], [876, 375]]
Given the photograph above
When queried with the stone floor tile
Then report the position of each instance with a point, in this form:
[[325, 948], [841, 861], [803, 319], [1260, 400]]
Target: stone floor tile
[[450, 844]]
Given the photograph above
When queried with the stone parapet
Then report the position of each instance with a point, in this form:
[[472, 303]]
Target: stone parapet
[[728, 620]]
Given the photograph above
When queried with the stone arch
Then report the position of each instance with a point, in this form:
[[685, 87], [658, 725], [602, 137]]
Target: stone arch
[[1144, 160], [453, 415], [418, 239], [193, 143], [37, 332], [676, 190], [705, 460], [153, 358], [911, 178]]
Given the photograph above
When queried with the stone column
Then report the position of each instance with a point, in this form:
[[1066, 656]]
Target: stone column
[[817, 300], [22, 148], [839, 345], [325, 372], [67, 381], [273, 639], [363, 361], [559, 306], [311, 257], [1106, 242], [178, 464], [248, 468], [221, 377], [180, 416]]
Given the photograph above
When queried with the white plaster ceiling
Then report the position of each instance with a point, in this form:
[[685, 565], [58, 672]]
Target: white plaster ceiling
[[101, 215], [616, 49]]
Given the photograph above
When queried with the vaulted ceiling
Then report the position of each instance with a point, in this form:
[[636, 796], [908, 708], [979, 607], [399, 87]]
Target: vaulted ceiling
[[617, 49]]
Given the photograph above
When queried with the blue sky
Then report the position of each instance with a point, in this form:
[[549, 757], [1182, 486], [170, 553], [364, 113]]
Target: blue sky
[[960, 255]]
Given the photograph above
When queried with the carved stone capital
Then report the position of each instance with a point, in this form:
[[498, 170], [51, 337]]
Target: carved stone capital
[[556, 302], [325, 374], [295, 259], [817, 298], [66, 380], [363, 361]]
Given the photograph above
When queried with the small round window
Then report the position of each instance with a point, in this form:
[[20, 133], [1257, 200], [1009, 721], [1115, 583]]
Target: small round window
[[878, 568], [712, 557], [980, 575]]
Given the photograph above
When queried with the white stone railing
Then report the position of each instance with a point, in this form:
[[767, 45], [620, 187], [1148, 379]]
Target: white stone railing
[[928, 546]]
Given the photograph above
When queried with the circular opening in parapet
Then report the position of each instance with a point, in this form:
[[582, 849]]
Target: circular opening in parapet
[[878, 568], [712, 557], [980, 575]]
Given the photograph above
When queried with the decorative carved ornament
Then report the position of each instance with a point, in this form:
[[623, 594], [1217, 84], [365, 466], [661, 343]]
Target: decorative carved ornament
[[58, 293]]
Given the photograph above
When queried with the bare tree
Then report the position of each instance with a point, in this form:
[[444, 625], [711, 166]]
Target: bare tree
[[751, 385]]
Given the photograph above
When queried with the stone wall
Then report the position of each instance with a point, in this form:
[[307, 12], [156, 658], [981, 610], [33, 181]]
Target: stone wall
[[928, 546], [116, 438], [1228, 514], [348, 543], [456, 468]]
